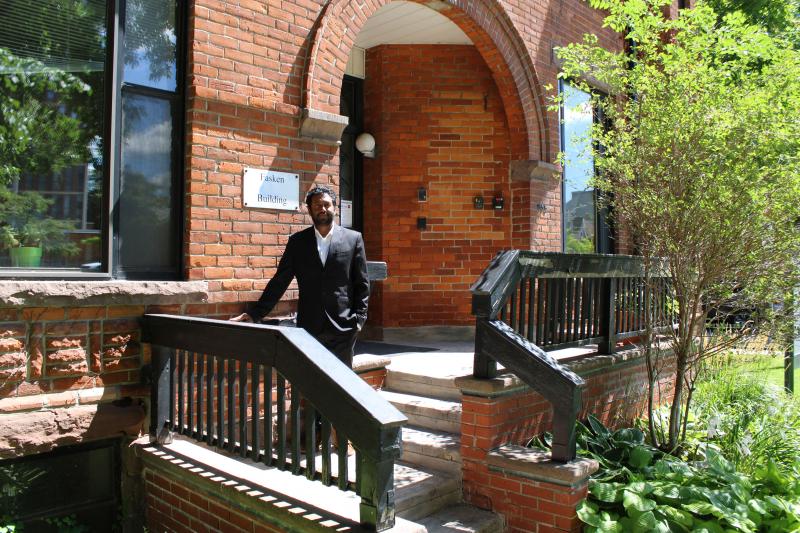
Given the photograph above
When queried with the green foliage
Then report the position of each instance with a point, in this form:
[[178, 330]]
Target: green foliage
[[641, 489], [749, 421], [779, 17], [700, 155], [577, 245], [24, 222], [36, 136]]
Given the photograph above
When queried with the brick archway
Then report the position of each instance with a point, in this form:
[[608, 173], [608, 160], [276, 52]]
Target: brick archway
[[485, 23]]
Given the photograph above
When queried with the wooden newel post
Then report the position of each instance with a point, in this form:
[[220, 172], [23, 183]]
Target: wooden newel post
[[161, 395], [483, 366], [376, 482], [608, 316], [565, 413]]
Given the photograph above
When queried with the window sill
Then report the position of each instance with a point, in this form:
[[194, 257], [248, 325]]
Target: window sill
[[86, 293]]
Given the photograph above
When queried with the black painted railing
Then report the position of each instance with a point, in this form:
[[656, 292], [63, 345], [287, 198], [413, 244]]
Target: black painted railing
[[277, 396], [527, 303]]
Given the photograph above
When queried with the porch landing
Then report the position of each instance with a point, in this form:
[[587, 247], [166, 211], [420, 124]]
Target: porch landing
[[442, 359]]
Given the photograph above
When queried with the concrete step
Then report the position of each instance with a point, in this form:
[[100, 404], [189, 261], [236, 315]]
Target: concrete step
[[429, 448], [413, 383], [425, 412], [420, 492], [463, 518]]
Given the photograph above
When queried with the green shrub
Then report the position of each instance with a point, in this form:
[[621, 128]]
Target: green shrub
[[640, 488], [737, 412]]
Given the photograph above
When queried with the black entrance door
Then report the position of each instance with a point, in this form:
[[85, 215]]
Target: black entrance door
[[351, 181]]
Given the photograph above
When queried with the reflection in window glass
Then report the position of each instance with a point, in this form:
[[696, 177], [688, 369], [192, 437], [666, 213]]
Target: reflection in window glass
[[52, 58], [147, 232], [580, 214], [150, 44]]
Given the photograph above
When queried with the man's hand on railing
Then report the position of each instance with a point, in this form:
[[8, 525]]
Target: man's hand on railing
[[244, 317]]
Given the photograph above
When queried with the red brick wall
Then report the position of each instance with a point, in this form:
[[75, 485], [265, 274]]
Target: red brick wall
[[245, 69], [172, 506], [439, 123], [252, 66]]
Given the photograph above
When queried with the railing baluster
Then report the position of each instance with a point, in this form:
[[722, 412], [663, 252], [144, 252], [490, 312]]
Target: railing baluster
[[309, 413], [181, 389], [267, 414], [220, 379], [230, 408], [576, 317], [281, 414], [642, 304], [190, 394], [541, 319], [242, 408], [201, 364], [254, 408], [561, 308], [513, 306], [210, 400], [325, 450], [569, 301], [173, 374], [294, 429], [523, 281], [586, 288], [531, 309], [341, 450], [552, 313]]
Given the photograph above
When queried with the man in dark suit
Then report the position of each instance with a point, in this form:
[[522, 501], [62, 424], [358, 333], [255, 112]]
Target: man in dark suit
[[330, 265]]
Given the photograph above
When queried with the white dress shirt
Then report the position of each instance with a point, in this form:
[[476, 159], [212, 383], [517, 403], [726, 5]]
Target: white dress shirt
[[324, 243]]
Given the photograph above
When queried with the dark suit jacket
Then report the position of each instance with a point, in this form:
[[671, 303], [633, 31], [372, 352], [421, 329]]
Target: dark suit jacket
[[340, 288]]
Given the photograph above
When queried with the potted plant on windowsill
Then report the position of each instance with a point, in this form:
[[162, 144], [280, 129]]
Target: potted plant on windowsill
[[26, 230]]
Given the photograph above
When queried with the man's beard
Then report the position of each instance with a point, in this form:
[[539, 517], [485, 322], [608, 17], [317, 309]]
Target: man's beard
[[322, 219]]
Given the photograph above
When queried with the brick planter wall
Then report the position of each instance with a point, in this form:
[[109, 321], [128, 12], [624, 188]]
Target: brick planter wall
[[501, 415]]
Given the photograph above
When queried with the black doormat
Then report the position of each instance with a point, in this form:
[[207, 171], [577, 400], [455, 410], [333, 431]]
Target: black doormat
[[383, 348]]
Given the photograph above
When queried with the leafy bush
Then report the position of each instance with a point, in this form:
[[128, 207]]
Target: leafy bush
[[747, 419], [640, 488]]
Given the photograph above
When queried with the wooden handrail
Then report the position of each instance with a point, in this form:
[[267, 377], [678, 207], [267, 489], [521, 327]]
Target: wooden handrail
[[351, 406]]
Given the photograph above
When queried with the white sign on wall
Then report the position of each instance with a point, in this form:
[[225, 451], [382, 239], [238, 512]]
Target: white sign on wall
[[271, 190]]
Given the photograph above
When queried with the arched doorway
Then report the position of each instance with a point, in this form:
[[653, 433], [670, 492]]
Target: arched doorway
[[437, 201]]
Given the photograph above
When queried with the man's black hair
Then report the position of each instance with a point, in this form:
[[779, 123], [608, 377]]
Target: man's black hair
[[320, 189]]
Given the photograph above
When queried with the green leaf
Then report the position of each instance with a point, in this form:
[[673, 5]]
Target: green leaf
[[665, 491], [676, 515], [698, 508], [597, 427], [707, 527], [606, 492], [640, 457], [631, 500], [587, 513], [640, 522]]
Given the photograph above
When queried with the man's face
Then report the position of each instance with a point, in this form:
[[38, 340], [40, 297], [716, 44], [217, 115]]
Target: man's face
[[322, 209]]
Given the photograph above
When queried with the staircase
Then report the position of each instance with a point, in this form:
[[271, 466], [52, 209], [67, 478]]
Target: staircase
[[428, 476]]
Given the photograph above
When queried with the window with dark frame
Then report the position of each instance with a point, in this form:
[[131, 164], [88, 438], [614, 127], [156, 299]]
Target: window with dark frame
[[90, 168], [585, 227]]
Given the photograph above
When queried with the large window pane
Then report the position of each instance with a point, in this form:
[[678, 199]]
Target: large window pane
[[580, 212], [150, 44], [52, 84], [147, 226]]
